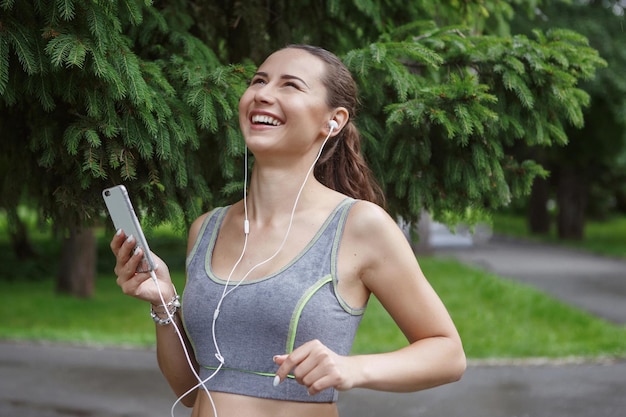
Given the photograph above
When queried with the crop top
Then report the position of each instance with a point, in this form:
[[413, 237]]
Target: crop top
[[268, 316]]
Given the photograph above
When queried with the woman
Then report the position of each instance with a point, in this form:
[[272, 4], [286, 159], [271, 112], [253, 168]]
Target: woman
[[277, 283]]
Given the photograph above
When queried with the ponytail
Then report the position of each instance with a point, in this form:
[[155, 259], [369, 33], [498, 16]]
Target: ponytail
[[343, 168], [341, 165]]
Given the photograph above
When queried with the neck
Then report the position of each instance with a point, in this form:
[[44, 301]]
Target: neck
[[273, 193], [282, 188]]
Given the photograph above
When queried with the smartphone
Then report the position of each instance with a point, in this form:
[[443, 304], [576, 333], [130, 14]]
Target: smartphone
[[123, 215]]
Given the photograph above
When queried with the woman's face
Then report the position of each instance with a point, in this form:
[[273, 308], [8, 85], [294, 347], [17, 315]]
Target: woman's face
[[284, 108]]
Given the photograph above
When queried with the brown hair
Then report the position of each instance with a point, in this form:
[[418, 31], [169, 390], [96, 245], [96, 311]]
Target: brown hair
[[341, 165]]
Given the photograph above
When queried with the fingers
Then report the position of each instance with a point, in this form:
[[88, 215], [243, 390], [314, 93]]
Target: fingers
[[128, 269], [314, 366], [127, 257], [117, 240]]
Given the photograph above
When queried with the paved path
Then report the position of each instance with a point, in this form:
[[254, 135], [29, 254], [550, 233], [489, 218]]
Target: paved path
[[38, 380], [593, 283], [65, 381]]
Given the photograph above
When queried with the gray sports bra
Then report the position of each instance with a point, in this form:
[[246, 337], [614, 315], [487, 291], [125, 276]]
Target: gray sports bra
[[268, 316]]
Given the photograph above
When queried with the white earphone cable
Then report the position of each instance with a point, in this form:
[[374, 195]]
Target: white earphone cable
[[226, 291], [184, 346]]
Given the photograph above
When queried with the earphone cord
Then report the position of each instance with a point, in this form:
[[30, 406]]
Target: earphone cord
[[246, 230], [184, 346], [225, 292]]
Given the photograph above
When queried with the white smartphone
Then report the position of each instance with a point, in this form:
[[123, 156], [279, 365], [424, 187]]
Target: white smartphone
[[123, 215]]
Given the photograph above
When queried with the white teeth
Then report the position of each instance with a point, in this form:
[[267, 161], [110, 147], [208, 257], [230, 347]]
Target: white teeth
[[265, 120]]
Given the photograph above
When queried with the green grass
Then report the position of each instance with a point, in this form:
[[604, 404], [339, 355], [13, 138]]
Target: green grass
[[497, 318], [601, 237], [34, 312]]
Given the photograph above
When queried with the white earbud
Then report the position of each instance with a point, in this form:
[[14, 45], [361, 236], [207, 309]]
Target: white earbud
[[333, 125]]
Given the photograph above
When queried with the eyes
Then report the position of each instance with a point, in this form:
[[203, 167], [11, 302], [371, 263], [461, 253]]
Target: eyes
[[283, 83], [257, 80]]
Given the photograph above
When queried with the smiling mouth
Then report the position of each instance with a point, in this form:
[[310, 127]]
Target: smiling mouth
[[265, 120]]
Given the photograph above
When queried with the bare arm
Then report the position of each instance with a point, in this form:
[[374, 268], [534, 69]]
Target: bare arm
[[376, 256], [391, 272], [171, 356]]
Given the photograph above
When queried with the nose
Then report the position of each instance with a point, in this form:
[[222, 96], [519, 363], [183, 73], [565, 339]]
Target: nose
[[264, 94]]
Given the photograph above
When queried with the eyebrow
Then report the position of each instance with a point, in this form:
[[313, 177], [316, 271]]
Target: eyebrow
[[283, 77]]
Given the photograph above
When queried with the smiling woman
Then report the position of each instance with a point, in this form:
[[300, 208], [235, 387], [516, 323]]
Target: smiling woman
[[278, 282]]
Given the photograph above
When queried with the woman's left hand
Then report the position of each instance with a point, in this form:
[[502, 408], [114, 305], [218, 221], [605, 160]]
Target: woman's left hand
[[317, 367]]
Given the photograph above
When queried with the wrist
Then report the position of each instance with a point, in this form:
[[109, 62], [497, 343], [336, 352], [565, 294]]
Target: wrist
[[164, 295], [163, 314], [361, 370]]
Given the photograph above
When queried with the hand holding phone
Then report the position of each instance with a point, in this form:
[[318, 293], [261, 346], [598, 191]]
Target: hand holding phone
[[123, 215]]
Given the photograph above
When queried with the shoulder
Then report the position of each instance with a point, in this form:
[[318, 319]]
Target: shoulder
[[195, 228], [372, 234], [366, 218]]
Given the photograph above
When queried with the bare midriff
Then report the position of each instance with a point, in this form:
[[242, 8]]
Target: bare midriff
[[234, 405]]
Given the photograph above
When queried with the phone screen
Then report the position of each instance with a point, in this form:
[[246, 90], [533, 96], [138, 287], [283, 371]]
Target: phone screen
[[123, 215]]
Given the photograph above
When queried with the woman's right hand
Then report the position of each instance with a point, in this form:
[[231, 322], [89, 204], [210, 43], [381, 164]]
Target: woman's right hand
[[139, 284]]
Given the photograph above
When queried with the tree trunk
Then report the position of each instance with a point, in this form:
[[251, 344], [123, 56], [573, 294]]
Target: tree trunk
[[77, 269], [538, 215], [572, 201], [22, 248]]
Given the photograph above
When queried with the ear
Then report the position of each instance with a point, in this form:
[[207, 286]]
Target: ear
[[341, 116]]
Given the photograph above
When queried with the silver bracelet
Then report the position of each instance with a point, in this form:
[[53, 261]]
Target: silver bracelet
[[171, 308]]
